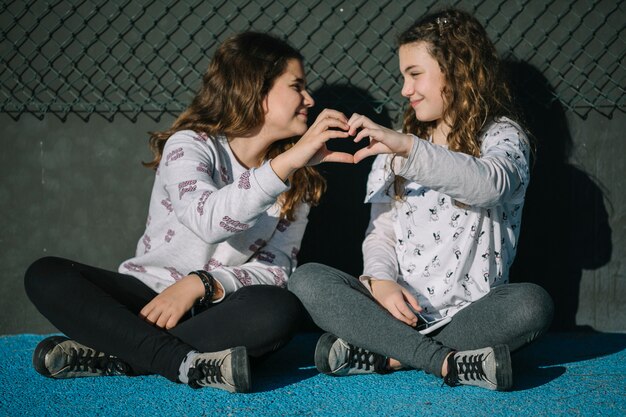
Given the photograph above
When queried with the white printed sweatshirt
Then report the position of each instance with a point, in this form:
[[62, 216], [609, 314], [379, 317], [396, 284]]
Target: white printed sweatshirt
[[209, 212], [445, 253]]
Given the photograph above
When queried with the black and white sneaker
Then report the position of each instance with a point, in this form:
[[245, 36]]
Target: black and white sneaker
[[228, 370], [486, 368], [335, 356], [60, 357]]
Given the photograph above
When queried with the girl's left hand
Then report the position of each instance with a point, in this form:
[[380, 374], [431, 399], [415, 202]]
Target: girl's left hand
[[166, 309], [311, 148], [382, 140]]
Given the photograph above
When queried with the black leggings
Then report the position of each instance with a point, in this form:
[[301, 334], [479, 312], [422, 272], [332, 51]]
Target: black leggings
[[100, 308]]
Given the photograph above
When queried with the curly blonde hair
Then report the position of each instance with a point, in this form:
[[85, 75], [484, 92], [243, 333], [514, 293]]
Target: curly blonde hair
[[475, 91], [230, 102]]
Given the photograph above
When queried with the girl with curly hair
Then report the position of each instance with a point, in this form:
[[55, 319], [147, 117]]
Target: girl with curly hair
[[446, 198]]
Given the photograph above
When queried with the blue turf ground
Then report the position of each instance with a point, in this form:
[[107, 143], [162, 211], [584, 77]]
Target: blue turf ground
[[562, 374]]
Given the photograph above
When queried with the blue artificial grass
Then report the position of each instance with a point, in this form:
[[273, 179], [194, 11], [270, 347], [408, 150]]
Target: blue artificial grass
[[562, 374]]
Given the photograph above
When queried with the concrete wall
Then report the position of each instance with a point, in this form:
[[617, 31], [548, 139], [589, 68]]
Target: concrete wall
[[78, 190], [598, 203], [73, 189], [573, 232]]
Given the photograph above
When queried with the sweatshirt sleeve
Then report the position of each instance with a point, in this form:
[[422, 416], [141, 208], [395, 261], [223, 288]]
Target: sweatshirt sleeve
[[214, 214], [499, 175], [379, 254], [274, 260]]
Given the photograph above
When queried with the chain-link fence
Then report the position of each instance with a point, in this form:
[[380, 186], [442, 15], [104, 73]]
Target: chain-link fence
[[135, 57]]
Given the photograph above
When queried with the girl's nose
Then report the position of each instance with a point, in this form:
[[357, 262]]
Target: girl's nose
[[407, 89], [308, 99]]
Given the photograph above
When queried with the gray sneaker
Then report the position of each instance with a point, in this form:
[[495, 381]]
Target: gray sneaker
[[486, 368], [60, 357], [335, 356], [228, 370]]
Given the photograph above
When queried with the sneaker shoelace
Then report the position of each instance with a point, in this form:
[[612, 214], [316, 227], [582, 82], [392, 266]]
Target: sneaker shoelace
[[469, 368], [88, 360], [206, 372], [360, 358]]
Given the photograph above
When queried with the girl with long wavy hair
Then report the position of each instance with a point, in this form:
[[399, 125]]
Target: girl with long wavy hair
[[205, 290], [446, 198]]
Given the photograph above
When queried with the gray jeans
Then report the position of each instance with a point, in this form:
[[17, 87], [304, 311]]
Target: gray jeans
[[511, 314]]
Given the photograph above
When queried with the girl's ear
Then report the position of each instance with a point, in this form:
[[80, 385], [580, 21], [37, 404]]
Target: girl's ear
[[265, 105]]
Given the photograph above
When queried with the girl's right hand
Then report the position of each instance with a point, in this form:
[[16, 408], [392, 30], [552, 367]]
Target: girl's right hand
[[311, 148], [168, 307], [382, 140], [394, 298]]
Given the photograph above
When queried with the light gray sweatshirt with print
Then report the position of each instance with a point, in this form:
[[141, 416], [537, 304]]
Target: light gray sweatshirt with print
[[454, 233], [209, 212]]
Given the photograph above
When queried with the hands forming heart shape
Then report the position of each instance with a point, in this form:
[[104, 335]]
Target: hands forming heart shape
[[331, 124]]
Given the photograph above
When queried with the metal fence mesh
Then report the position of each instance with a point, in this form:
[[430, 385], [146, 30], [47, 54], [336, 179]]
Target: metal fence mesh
[[147, 57]]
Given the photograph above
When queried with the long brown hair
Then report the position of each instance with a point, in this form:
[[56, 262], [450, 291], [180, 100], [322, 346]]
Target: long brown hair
[[475, 91], [230, 102]]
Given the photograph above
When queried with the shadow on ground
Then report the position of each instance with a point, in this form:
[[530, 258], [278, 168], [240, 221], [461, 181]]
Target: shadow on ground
[[534, 366], [545, 360], [290, 365]]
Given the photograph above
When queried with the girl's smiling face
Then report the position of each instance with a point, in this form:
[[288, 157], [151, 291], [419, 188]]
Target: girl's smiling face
[[423, 82], [287, 103]]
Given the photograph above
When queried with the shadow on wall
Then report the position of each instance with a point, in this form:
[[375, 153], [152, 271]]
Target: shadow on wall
[[565, 226], [337, 226]]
